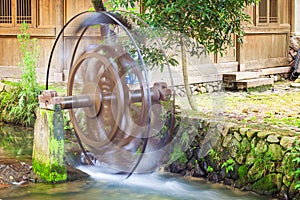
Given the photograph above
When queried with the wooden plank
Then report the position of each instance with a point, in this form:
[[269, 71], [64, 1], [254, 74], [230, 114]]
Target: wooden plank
[[42, 32], [45, 49], [34, 13], [283, 11], [265, 63], [60, 43], [279, 29], [263, 50], [1, 50], [46, 13], [74, 7], [11, 55]]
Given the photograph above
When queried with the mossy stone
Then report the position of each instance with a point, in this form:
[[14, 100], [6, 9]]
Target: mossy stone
[[234, 147], [227, 140], [275, 151], [269, 184], [262, 134], [255, 172], [287, 142], [242, 171], [273, 138], [243, 131], [261, 147], [237, 136], [251, 133]]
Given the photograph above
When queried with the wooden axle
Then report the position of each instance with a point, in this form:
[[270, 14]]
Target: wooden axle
[[49, 98]]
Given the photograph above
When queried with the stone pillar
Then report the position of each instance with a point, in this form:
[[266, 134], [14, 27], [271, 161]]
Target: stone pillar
[[48, 146]]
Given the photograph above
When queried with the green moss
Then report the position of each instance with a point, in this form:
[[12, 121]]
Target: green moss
[[259, 88], [49, 164], [242, 171], [266, 184], [52, 173]]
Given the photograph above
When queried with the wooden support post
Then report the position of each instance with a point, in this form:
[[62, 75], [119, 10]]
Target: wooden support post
[[58, 75], [48, 147]]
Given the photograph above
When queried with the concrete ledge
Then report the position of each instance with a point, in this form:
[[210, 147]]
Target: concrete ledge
[[236, 76], [275, 70]]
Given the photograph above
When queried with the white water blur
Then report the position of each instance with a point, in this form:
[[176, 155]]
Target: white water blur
[[167, 185]]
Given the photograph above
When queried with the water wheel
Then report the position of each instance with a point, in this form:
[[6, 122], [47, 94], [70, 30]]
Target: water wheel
[[114, 94]]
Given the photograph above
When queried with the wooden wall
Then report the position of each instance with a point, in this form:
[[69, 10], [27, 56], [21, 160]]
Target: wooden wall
[[263, 46], [74, 7], [46, 14], [42, 28], [261, 50]]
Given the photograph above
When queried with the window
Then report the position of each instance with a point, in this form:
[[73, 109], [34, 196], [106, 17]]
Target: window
[[5, 12], [14, 12], [267, 11], [23, 11]]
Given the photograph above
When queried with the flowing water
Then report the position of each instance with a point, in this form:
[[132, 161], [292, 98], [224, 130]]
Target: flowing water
[[16, 142]]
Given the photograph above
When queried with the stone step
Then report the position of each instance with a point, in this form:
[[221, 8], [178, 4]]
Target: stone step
[[236, 76], [275, 70], [252, 83]]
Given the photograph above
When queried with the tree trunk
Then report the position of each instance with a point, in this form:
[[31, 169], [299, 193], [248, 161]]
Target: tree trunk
[[98, 5], [186, 76]]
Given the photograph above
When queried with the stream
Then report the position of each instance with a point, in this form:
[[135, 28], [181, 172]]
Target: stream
[[16, 142]]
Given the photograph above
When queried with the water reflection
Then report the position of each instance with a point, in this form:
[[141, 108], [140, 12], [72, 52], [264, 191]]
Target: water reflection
[[16, 142]]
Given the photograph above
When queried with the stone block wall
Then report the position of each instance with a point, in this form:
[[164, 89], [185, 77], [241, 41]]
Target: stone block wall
[[200, 88], [251, 160]]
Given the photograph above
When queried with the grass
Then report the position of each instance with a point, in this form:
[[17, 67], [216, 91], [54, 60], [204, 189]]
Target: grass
[[263, 110]]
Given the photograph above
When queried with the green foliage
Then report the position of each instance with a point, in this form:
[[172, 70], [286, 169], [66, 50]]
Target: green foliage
[[207, 22], [67, 121], [210, 169], [229, 165], [295, 153], [18, 105], [197, 26], [262, 159], [214, 155]]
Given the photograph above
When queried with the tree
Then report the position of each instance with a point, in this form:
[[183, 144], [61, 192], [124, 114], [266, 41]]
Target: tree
[[208, 23]]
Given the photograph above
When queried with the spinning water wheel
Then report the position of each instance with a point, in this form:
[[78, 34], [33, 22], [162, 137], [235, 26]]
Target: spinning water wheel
[[119, 120]]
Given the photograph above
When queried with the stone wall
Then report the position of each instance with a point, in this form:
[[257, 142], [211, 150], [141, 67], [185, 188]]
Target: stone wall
[[200, 88], [247, 159]]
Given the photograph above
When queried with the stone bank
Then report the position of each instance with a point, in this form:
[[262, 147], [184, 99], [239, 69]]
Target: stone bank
[[248, 159]]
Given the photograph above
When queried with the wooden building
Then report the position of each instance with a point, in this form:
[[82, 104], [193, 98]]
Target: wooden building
[[45, 19], [265, 46]]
